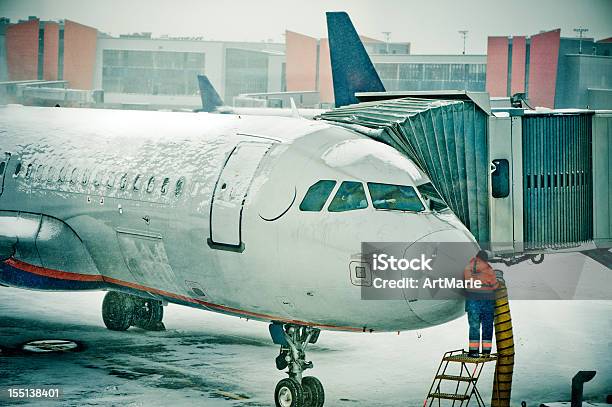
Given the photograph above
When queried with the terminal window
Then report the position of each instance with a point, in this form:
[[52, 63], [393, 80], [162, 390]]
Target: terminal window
[[151, 72]]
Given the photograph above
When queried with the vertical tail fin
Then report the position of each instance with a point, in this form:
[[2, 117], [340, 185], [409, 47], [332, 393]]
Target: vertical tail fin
[[352, 69], [210, 98]]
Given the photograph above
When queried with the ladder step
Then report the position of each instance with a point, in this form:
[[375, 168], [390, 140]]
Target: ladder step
[[449, 396], [466, 359], [456, 378]]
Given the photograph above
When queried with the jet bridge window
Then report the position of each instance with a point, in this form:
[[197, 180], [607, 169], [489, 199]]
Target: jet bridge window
[[395, 197], [350, 196], [432, 197], [317, 195]]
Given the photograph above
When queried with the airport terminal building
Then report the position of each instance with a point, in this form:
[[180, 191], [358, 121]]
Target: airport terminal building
[[142, 71]]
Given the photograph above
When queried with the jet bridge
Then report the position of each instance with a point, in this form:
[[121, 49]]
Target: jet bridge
[[520, 180]]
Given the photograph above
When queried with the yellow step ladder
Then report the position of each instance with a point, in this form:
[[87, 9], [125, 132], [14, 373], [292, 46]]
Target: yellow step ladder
[[457, 384]]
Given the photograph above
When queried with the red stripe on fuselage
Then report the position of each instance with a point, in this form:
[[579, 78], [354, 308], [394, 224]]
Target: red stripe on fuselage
[[62, 275]]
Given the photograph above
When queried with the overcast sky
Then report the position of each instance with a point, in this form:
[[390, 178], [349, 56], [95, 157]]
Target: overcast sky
[[430, 25]]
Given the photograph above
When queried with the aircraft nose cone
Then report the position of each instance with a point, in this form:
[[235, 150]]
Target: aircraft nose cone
[[451, 250]]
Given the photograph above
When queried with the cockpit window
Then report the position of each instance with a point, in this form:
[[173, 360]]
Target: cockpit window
[[432, 197], [317, 195], [350, 196], [395, 197]]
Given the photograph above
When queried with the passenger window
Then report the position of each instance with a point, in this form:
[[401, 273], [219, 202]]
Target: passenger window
[[136, 185], [85, 178], [110, 182], [123, 182], [96, 180], [350, 196], [29, 171], [39, 172], [395, 197], [317, 195], [2, 166], [164, 187], [74, 175], [17, 169], [50, 174], [179, 186], [151, 185]]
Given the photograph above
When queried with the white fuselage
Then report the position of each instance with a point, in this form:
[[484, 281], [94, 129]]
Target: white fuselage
[[144, 214]]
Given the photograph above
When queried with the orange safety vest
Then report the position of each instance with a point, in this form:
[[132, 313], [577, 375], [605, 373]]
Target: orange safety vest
[[479, 269]]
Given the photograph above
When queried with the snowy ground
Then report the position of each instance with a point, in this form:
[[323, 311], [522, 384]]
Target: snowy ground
[[214, 360]]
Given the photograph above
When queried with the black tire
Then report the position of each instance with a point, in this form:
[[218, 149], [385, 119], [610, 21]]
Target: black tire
[[148, 314], [117, 311], [289, 393], [313, 391]]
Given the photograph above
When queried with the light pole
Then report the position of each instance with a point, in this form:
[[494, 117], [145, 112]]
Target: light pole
[[580, 31], [387, 35], [463, 33]]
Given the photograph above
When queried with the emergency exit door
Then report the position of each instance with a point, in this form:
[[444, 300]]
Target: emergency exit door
[[230, 193]]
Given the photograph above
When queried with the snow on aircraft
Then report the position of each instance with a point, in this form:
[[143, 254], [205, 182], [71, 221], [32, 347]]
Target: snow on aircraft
[[250, 216], [212, 103], [258, 217]]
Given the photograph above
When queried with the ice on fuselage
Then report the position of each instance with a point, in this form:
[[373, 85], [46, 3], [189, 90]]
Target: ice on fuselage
[[365, 151]]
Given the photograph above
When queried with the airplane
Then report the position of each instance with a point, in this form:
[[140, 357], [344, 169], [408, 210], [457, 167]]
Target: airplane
[[212, 103], [256, 217]]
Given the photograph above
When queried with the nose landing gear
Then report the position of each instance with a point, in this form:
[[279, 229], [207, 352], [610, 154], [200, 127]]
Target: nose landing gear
[[296, 391]]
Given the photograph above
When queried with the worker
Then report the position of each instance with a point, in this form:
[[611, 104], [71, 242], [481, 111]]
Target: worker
[[480, 302]]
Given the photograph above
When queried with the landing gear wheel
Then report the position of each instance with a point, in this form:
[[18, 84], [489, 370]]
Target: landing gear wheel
[[289, 393], [148, 315], [313, 391], [117, 311]]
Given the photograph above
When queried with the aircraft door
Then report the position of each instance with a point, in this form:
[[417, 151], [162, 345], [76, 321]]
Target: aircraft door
[[230, 193], [3, 169]]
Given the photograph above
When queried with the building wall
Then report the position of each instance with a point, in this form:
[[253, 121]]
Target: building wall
[[544, 56], [431, 72], [3, 64], [583, 73], [497, 66], [246, 71], [275, 72], [301, 54], [51, 51], [519, 48], [214, 59], [326, 84], [79, 55], [22, 50]]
